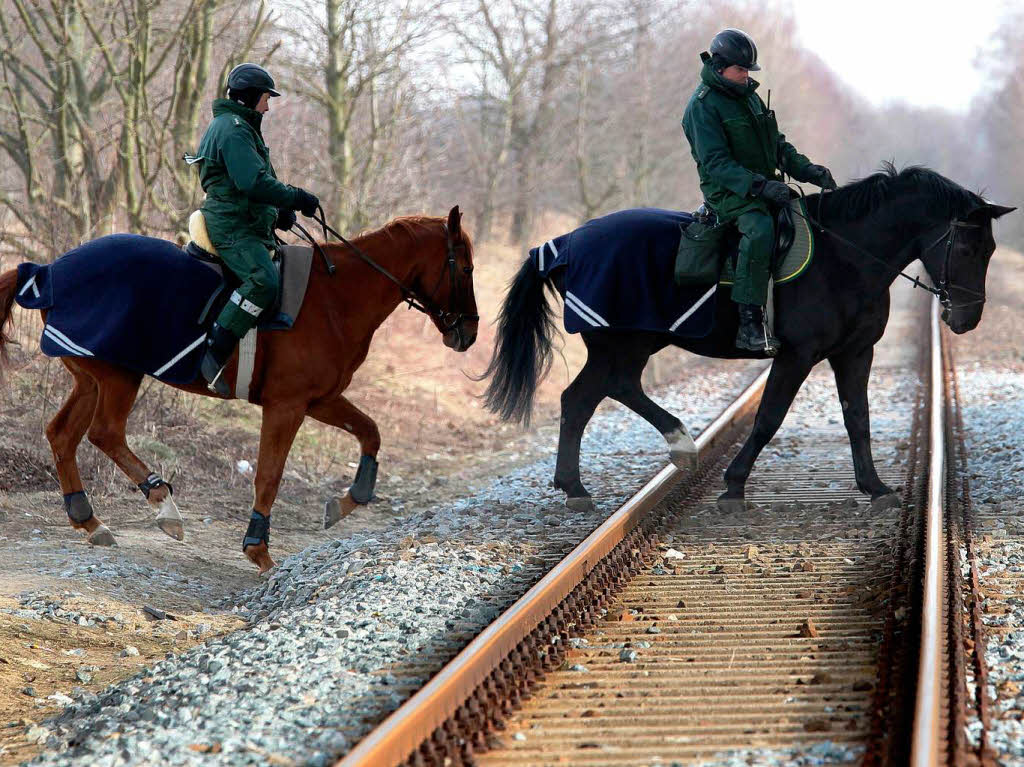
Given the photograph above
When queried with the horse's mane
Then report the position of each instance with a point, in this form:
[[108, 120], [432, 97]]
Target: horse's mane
[[858, 199], [414, 227]]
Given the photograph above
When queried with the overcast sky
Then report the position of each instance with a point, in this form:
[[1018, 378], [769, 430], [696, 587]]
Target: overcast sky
[[920, 51]]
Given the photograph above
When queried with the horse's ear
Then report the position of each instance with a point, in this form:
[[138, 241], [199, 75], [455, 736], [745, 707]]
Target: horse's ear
[[455, 222], [997, 210]]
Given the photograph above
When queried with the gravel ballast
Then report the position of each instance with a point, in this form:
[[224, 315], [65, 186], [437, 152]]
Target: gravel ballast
[[993, 413], [336, 632]]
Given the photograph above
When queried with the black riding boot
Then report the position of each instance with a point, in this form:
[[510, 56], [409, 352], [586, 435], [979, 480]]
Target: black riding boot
[[754, 334], [220, 344]]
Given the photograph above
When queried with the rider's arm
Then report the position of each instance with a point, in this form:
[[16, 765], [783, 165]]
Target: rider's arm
[[791, 161], [707, 137], [251, 174]]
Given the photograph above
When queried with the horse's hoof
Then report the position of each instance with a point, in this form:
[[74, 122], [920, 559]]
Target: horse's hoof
[[684, 461], [886, 502], [731, 505], [337, 509], [102, 536], [260, 556], [172, 527], [582, 503], [169, 519], [682, 450]]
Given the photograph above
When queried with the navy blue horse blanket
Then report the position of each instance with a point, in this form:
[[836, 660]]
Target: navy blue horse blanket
[[619, 274], [130, 300]]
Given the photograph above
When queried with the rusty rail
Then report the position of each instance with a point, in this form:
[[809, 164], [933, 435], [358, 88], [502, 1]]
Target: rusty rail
[[419, 718], [928, 706]]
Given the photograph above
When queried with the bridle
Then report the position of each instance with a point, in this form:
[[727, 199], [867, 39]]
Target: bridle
[[942, 292], [944, 284], [447, 319]]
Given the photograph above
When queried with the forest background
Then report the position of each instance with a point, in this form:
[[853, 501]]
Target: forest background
[[533, 115]]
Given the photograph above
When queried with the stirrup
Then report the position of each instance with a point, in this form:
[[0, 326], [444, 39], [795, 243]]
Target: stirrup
[[216, 383]]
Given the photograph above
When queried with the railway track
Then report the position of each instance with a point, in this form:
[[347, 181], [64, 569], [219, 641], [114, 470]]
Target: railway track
[[811, 623]]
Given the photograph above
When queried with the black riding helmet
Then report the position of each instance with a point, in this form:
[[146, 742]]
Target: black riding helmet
[[734, 46], [251, 76]]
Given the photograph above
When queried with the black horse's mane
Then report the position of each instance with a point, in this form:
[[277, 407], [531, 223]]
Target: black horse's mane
[[858, 199]]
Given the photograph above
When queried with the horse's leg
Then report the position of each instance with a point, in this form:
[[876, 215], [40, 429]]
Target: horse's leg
[[788, 373], [341, 413], [579, 400], [280, 425], [630, 392], [64, 434], [852, 370], [117, 391]]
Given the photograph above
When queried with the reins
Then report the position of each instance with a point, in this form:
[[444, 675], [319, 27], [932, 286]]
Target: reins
[[410, 296], [941, 292]]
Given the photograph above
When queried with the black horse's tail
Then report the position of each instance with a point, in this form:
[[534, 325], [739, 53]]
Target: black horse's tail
[[522, 352]]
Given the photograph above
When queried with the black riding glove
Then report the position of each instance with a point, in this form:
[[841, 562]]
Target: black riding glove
[[305, 202], [773, 191], [285, 219], [821, 176]]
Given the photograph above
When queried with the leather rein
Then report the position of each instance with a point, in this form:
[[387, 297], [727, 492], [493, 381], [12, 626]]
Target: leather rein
[[447, 319], [942, 291]]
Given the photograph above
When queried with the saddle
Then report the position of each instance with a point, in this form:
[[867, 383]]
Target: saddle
[[792, 247], [292, 262]]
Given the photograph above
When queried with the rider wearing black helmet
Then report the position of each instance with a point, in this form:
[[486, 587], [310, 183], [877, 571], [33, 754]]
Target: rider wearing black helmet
[[739, 151], [244, 204]]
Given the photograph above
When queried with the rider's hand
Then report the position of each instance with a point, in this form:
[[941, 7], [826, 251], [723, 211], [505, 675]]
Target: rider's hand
[[285, 219], [306, 203], [773, 191], [821, 176]]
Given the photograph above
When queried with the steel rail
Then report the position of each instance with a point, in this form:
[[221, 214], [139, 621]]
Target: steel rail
[[925, 739], [414, 721]]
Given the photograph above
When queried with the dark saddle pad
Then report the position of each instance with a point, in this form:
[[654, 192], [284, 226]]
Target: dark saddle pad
[[616, 273], [138, 302]]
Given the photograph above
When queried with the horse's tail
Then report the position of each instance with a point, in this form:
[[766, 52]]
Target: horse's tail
[[522, 352], [8, 281]]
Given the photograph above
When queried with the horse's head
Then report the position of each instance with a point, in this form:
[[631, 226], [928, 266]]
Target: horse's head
[[958, 261], [454, 303]]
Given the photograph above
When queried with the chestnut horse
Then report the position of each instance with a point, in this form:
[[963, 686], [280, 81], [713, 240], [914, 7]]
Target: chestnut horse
[[301, 372]]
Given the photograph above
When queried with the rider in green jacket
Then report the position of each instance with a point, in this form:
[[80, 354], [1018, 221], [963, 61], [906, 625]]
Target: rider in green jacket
[[244, 204], [739, 152]]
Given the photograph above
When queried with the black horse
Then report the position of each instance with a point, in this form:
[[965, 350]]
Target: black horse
[[837, 310]]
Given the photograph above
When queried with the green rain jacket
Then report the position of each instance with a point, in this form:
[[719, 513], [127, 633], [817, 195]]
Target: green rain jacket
[[734, 136], [242, 191]]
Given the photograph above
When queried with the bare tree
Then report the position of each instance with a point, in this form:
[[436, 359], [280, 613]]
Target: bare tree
[[358, 77], [100, 99], [522, 51], [593, 200]]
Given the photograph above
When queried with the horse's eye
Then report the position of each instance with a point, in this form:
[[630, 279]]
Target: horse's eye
[[467, 269]]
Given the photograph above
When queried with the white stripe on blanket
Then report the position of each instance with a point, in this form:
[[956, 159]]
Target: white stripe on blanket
[[30, 284], [67, 343], [695, 307], [584, 311], [174, 360]]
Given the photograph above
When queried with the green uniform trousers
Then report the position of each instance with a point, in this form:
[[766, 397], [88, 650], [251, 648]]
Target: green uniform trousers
[[249, 259], [754, 262]]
